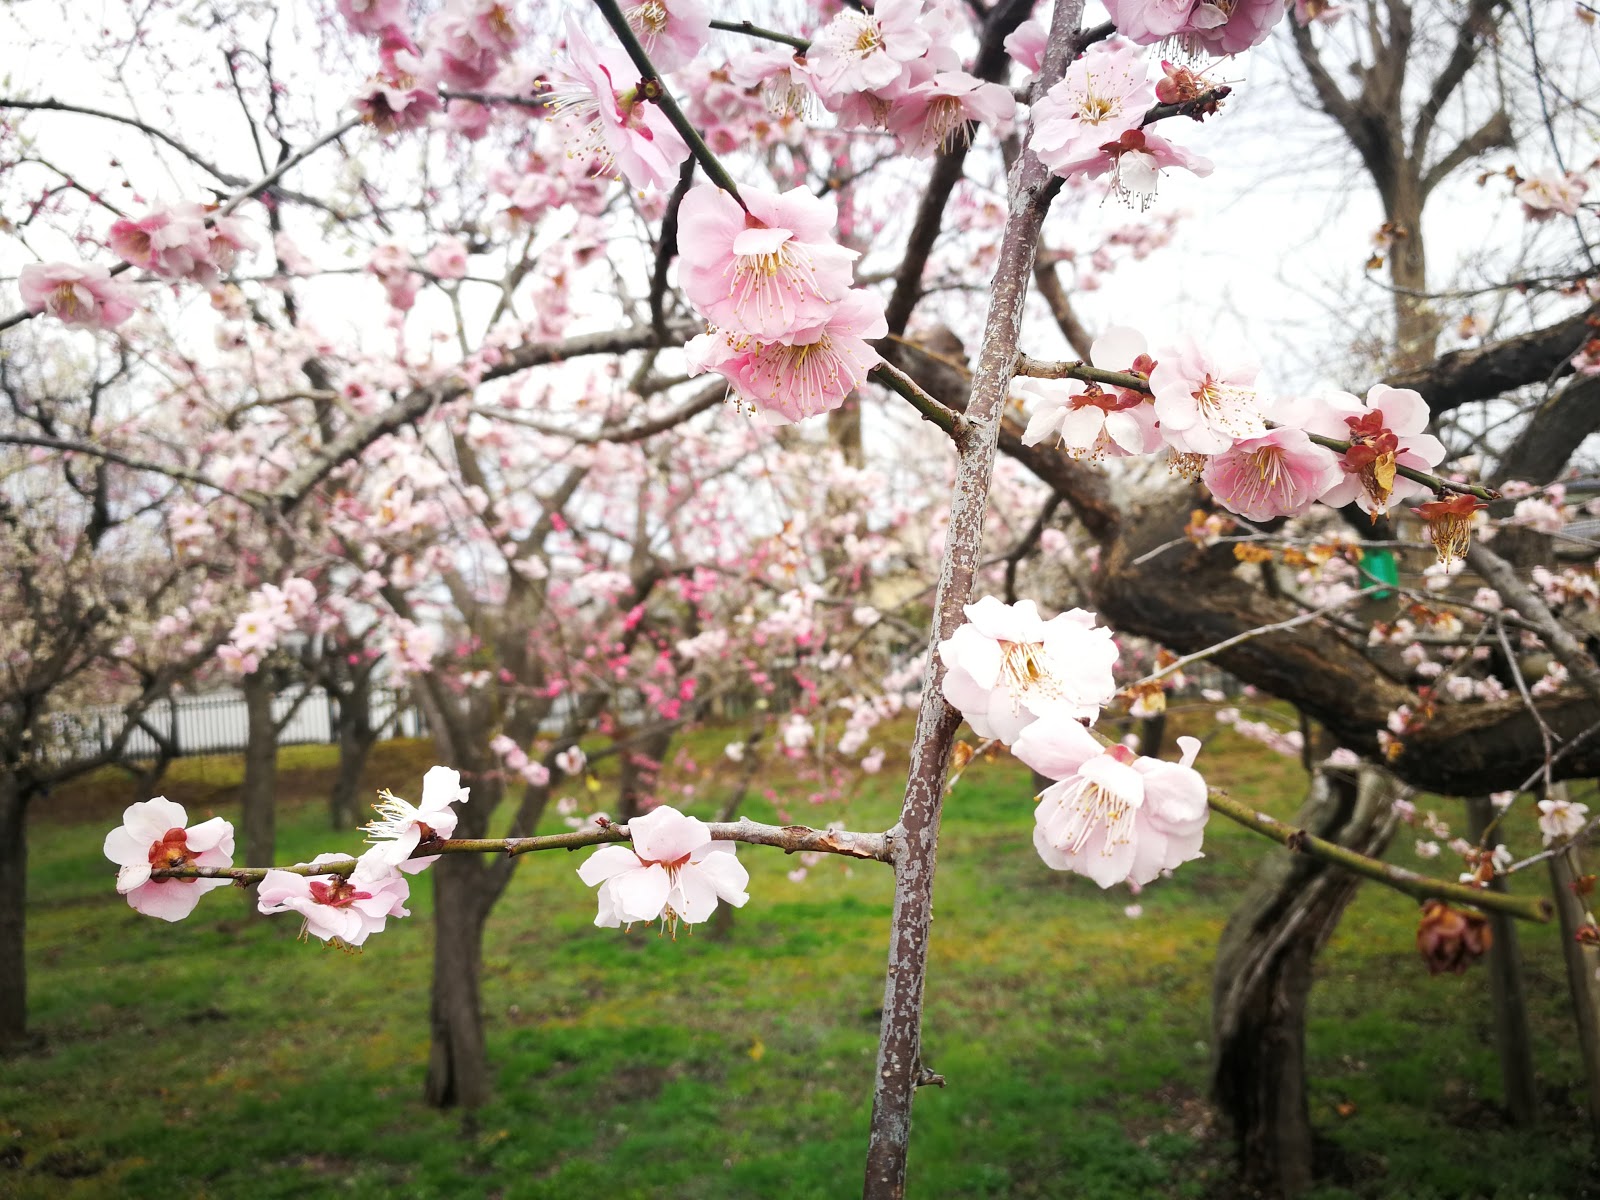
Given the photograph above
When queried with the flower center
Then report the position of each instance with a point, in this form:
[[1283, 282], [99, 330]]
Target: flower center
[[66, 303], [1022, 665], [650, 18], [172, 850], [341, 893], [868, 36], [1228, 408], [946, 123], [1090, 806], [767, 280]]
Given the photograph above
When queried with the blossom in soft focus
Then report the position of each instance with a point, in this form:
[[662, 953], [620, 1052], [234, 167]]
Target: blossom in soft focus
[[1451, 939], [765, 272], [339, 909], [402, 826], [807, 373], [1113, 815], [372, 16], [1279, 474], [620, 130], [154, 835], [859, 51], [84, 297], [1231, 26], [672, 32], [1551, 195], [448, 259], [1006, 667], [1560, 819], [1102, 96], [937, 114], [397, 103], [1206, 398], [1025, 44], [572, 760], [873, 762], [672, 871]]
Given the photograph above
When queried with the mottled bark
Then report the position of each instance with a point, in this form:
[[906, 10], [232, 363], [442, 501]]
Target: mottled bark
[[13, 912], [900, 1064], [1263, 978]]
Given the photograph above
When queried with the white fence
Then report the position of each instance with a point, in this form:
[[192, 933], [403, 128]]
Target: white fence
[[216, 723]]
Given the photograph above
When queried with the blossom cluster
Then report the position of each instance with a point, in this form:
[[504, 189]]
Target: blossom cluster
[[788, 331], [1036, 686], [1254, 452], [671, 870]]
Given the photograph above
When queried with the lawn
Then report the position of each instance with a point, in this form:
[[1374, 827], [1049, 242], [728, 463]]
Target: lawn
[[222, 1058]]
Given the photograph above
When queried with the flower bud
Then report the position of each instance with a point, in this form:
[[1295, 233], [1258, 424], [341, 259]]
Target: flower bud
[[1452, 939]]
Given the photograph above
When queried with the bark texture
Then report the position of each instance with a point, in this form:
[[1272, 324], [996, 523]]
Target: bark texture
[[1263, 980], [356, 739]]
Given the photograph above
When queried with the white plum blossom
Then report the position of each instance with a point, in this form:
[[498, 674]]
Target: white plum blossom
[[154, 835], [337, 909], [1007, 667], [402, 826], [672, 871], [572, 760], [1113, 815], [1560, 819]]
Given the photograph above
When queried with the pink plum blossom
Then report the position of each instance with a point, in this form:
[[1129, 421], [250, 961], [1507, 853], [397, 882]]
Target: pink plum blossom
[[170, 242], [1400, 412], [933, 116], [619, 130], [1091, 420], [1551, 194], [672, 32], [466, 41], [1232, 26], [873, 762], [448, 259], [402, 826], [572, 760], [809, 372], [84, 297], [336, 908], [397, 103], [783, 77], [1113, 815], [767, 271], [1280, 474], [860, 51], [1205, 398], [1102, 96], [672, 871], [372, 16], [1149, 21], [1006, 667], [1025, 44], [154, 835]]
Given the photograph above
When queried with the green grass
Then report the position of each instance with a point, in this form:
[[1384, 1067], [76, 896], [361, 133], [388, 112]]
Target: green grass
[[221, 1058]]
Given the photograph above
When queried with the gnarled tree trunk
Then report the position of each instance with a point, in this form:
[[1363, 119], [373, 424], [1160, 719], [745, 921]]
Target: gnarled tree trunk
[[1263, 980], [13, 911]]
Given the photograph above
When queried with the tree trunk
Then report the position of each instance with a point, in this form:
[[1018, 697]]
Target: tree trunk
[[1263, 980], [641, 772], [1508, 994], [13, 912], [458, 1062], [258, 796], [356, 739], [1583, 964]]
